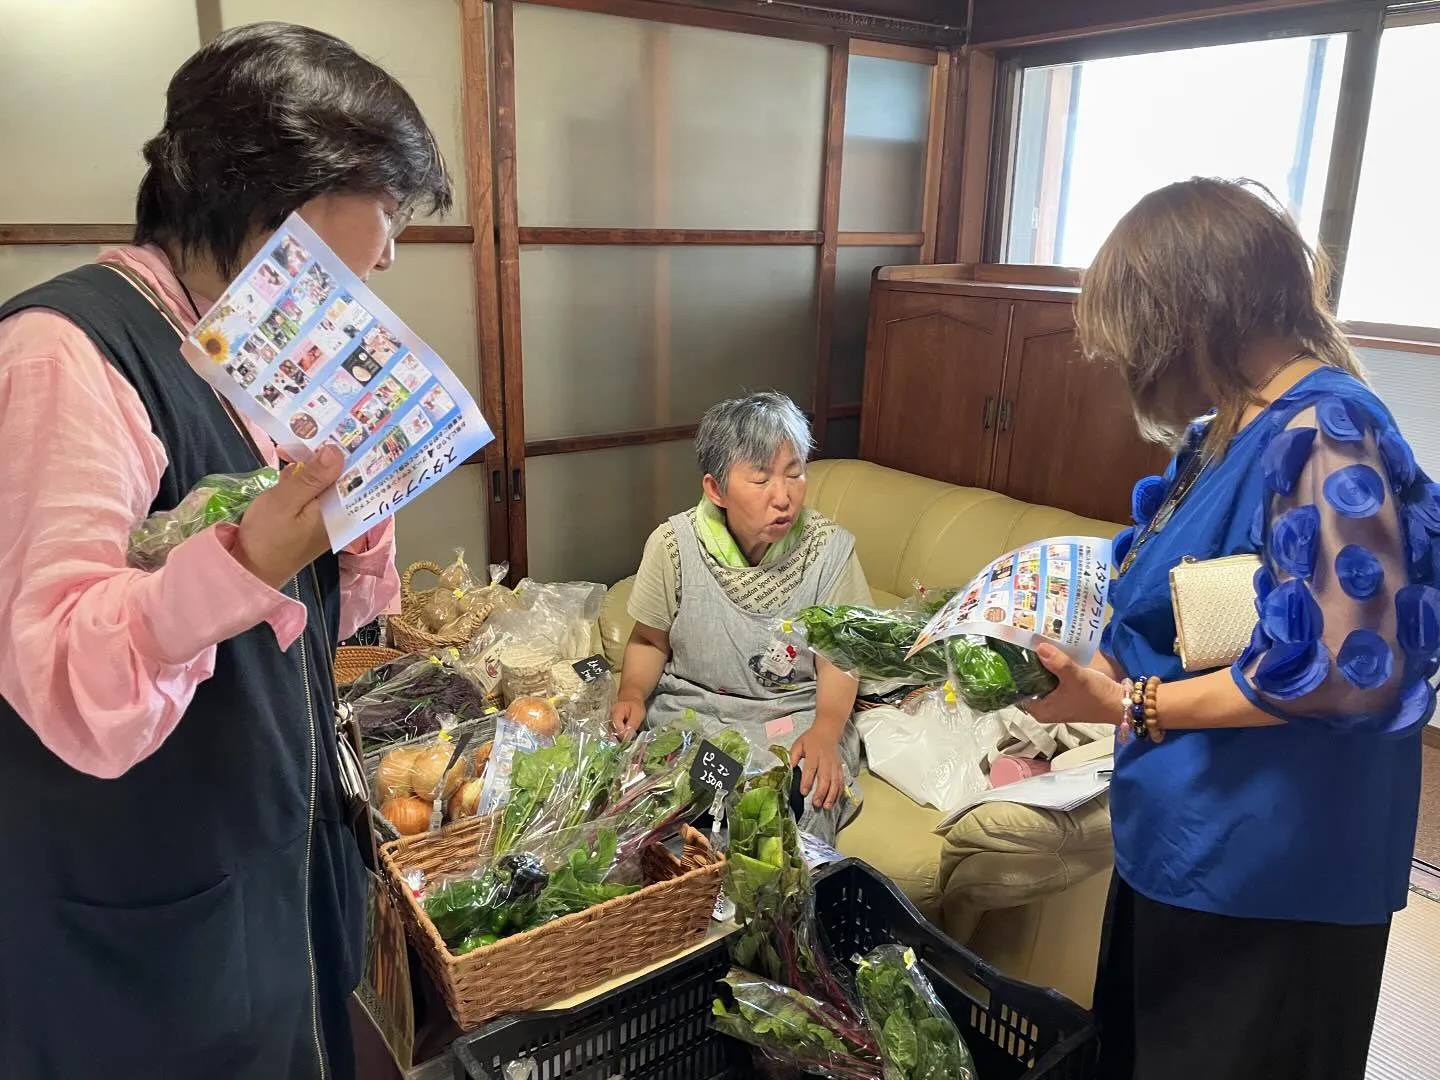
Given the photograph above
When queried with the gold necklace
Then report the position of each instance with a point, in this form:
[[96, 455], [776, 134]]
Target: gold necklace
[[1281, 368]]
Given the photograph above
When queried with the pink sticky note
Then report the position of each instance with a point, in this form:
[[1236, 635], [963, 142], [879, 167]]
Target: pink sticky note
[[782, 726]]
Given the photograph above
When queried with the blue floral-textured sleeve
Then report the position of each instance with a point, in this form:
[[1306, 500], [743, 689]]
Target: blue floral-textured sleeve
[[1349, 614]]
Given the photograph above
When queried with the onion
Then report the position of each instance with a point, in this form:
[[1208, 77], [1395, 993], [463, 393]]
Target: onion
[[535, 713], [428, 768], [465, 801], [409, 815], [392, 777]]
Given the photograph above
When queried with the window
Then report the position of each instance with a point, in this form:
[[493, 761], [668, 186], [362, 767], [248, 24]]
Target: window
[[1390, 274], [1090, 138]]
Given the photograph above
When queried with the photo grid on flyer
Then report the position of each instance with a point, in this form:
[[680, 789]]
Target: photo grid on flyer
[[1050, 590], [303, 349]]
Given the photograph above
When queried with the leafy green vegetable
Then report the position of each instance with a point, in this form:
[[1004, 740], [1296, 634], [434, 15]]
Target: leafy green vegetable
[[795, 1029], [219, 497], [579, 882], [532, 778], [918, 1040], [503, 900], [515, 893], [769, 882], [872, 643], [663, 795]]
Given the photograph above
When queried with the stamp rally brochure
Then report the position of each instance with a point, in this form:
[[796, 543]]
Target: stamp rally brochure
[[302, 348], [1052, 590]]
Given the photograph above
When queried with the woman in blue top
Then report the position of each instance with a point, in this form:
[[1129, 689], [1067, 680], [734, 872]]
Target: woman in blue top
[[1264, 819]]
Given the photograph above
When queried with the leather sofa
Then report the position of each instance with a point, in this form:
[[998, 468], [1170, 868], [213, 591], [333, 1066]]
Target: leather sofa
[[1024, 888]]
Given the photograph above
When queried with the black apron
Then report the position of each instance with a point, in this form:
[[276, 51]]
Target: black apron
[[202, 916]]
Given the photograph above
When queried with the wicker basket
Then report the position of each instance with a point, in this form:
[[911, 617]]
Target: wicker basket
[[405, 629], [352, 661], [561, 957]]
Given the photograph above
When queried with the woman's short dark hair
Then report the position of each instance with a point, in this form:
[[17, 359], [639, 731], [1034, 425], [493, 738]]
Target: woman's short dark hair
[[265, 118]]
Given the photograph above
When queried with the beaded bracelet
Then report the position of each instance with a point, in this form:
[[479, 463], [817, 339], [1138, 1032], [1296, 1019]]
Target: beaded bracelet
[[1155, 732], [1137, 708]]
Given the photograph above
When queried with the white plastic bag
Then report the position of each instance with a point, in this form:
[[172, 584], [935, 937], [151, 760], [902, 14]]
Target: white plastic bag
[[934, 751]]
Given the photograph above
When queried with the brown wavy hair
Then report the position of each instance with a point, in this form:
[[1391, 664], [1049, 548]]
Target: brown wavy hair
[[1190, 276]]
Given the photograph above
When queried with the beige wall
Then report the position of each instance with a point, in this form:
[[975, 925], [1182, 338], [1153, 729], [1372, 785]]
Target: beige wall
[[72, 154]]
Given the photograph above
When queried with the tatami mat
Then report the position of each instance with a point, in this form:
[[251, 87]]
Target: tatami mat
[[1406, 1045]]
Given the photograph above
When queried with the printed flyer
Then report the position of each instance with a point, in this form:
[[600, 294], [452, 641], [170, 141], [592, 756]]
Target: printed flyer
[[303, 349], [1052, 590]]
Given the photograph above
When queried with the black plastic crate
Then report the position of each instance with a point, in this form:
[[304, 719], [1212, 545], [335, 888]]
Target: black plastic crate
[[658, 1028], [1015, 1031]]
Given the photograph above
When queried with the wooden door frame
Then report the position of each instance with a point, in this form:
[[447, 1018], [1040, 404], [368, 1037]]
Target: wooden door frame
[[826, 239], [479, 190]]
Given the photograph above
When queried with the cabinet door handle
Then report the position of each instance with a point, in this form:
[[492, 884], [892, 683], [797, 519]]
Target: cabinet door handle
[[497, 492], [987, 414], [1006, 409], [516, 493]]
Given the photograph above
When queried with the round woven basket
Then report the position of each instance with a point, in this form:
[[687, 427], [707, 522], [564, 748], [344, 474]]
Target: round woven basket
[[405, 629], [352, 661]]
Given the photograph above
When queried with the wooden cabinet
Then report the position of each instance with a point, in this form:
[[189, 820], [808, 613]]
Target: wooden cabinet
[[981, 383]]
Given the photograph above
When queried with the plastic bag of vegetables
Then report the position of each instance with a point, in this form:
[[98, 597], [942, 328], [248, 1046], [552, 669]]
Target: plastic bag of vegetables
[[873, 645], [795, 1030], [916, 1037], [558, 787], [565, 872], [768, 879], [218, 498], [421, 784], [412, 696]]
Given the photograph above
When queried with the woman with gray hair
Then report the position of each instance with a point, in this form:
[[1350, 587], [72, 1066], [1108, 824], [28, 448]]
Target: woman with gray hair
[[714, 584]]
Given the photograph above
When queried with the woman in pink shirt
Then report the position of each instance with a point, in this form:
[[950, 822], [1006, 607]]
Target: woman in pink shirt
[[186, 895]]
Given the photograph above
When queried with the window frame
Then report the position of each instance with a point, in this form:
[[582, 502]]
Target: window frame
[[1362, 25]]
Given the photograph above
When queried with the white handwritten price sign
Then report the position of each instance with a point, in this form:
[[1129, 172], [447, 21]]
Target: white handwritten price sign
[[713, 768], [591, 668]]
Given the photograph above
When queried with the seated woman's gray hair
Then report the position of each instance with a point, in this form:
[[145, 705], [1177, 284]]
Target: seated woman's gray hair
[[752, 431]]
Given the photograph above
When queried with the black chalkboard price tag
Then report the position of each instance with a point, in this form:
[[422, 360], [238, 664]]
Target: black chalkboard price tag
[[713, 768], [591, 668]]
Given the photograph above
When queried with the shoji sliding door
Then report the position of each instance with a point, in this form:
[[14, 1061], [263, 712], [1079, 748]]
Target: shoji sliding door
[[667, 185]]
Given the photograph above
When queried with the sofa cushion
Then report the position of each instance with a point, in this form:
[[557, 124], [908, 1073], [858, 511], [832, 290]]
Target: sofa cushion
[[615, 621], [910, 529], [895, 835], [1005, 855]]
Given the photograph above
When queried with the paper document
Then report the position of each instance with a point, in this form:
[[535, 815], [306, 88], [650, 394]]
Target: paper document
[[1052, 590], [304, 350], [1063, 789]]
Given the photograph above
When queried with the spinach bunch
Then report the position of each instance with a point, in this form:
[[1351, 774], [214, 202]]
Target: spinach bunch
[[917, 1038], [795, 1029], [533, 775], [578, 882], [872, 643]]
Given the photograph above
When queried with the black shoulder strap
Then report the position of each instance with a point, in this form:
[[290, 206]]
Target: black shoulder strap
[[120, 316]]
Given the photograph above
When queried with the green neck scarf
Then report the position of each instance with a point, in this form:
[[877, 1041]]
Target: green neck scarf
[[717, 539]]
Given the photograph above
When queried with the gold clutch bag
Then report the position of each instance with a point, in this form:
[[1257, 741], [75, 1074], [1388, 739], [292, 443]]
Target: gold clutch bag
[[1214, 605]]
